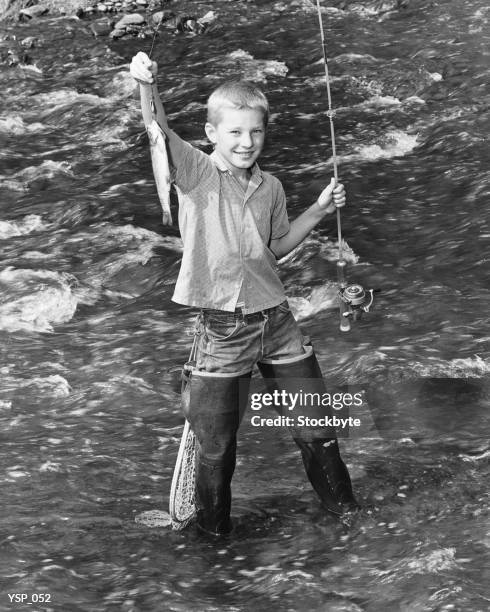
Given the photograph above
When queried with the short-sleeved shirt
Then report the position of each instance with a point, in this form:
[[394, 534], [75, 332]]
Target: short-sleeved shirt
[[226, 232]]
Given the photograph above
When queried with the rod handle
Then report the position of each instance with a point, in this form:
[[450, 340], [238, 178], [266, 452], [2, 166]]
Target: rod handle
[[343, 308]]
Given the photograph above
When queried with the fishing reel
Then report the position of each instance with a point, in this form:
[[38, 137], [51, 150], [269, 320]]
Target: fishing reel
[[354, 300]]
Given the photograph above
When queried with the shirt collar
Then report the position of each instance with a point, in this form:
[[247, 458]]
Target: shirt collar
[[220, 163]]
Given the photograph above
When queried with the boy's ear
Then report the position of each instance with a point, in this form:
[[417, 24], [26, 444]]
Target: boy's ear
[[210, 132]]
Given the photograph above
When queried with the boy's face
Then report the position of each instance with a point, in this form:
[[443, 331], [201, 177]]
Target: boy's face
[[238, 137]]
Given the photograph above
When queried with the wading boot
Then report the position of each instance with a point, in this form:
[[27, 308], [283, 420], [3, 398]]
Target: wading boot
[[215, 408], [318, 444], [328, 475]]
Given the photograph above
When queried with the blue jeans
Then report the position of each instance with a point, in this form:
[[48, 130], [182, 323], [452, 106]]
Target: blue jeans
[[232, 342]]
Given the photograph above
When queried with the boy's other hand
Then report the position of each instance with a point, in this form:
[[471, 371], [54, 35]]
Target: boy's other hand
[[143, 69], [332, 196]]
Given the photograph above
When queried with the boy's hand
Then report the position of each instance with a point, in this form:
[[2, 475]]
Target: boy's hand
[[143, 69], [332, 197]]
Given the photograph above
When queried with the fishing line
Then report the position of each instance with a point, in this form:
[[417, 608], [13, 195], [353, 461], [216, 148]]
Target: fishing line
[[155, 35]]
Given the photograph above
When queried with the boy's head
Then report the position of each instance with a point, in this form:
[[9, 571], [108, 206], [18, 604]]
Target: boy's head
[[238, 112], [236, 95]]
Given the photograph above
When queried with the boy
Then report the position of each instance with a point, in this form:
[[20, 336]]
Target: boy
[[234, 225]]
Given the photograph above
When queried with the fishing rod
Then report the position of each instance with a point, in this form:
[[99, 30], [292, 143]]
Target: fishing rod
[[353, 299]]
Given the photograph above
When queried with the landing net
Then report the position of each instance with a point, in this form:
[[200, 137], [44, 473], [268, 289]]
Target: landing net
[[182, 507]]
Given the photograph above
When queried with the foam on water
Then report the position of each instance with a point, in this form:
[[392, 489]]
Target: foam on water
[[36, 255], [432, 562], [30, 68], [50, 466], [479, 21], [28, 224], [364, 11], [254, 69], [139, 235], [34, 300], [379, 362], [108, 137], [353, 57], [324, 297], [122, 85], [470, 367], [15, 125], [308, 6], [328, 249], [414, 100], [52, 385], [379, 101], [24, 179], [394, 143], [65, 97], [115, 130], [115, 189]]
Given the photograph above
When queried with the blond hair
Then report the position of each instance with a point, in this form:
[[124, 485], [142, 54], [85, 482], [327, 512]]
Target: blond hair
[[237, 95]]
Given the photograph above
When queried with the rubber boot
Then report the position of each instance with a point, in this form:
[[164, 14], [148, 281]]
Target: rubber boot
[[328, 475], [215, 409], [324, 467]]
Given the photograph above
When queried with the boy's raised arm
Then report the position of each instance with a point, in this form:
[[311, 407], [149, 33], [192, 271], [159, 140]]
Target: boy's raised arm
[[144, 71]]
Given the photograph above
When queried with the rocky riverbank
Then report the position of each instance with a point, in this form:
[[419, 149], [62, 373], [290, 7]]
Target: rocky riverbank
[[117, 18], [114, 19], [25, 9]]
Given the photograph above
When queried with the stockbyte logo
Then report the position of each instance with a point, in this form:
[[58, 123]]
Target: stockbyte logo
[[305, 404]]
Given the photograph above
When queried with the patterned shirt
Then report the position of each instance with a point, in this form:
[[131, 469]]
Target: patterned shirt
[[226, 232]]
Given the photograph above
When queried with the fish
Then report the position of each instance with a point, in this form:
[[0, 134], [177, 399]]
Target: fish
[[161, 169]]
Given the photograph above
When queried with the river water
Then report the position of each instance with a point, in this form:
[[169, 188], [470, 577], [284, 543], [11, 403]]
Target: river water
[[89, 414]]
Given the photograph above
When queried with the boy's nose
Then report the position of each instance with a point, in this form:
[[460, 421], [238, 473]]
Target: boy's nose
[[246, 140]]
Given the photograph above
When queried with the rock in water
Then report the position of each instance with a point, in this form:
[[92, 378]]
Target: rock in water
[[26, 14], [129, 20], [101, 27], [29, 43], [116, 33], [161, 16], [154, 518], [207, 19]]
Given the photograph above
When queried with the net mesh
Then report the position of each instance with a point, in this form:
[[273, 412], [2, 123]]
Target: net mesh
[[182, 507]]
